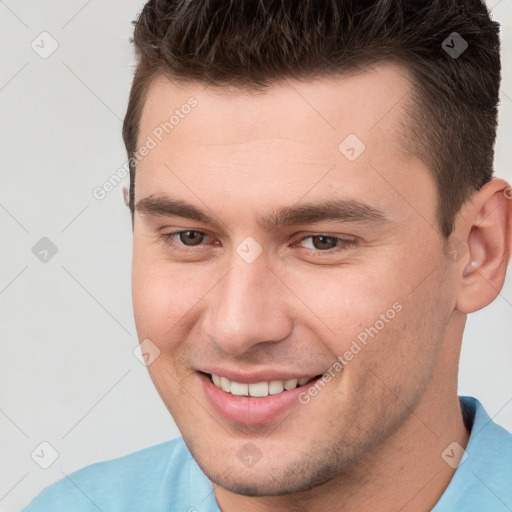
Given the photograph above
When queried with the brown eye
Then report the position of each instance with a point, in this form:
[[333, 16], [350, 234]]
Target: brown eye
[[185, 240], [322, 242], [326, 245], [191, 238]]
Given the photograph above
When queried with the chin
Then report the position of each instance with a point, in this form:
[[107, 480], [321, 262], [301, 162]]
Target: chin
[[289, 478]]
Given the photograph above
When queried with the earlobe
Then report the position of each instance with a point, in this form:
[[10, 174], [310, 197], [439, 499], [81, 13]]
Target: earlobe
[[486, 229]]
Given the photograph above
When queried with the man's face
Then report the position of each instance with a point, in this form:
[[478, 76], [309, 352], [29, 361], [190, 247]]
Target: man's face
[[259, 301]]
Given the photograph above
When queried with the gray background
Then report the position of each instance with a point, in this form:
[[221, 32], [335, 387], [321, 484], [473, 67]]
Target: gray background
[[68, 372]]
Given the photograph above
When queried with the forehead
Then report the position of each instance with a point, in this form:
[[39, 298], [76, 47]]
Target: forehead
[[293, 134], [362, 103]]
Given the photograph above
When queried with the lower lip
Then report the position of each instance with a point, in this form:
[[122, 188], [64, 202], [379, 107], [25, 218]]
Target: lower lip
[[249, 410]]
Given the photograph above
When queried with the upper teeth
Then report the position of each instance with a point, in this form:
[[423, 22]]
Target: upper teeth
[[258, 389]]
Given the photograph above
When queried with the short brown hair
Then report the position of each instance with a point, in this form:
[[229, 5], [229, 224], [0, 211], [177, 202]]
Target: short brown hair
[[251, 44]]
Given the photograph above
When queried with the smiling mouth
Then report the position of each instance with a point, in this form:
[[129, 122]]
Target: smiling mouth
[[258, 389]]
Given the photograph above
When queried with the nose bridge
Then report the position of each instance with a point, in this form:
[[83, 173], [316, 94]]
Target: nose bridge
[[248, 307]]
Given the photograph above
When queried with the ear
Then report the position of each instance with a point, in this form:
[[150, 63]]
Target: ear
[[484, 226]]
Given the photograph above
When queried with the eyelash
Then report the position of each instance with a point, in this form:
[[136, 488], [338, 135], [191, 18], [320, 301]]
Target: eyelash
[[344, 244]]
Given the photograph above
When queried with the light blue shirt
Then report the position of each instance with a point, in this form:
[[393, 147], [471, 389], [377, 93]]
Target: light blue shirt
[[165, 478]]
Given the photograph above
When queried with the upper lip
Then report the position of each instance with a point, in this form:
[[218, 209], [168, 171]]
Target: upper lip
[[257, 376]]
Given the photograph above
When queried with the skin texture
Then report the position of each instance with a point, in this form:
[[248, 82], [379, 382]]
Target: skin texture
[[372, 438]]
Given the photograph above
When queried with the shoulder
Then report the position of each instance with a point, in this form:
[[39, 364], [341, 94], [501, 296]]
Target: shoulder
[[119, 484]]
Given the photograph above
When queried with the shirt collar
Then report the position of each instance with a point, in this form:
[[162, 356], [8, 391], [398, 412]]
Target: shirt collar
[[483, 479]]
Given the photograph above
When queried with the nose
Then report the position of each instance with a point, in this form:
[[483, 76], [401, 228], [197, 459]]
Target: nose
[[249, 308]]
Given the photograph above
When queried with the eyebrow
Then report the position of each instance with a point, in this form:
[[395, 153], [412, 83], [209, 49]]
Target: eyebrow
[[344, 210]]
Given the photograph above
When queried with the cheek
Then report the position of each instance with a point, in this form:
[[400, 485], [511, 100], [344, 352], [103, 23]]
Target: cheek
[[343, 302], [400, 355], [377, 318], [164, 296]]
